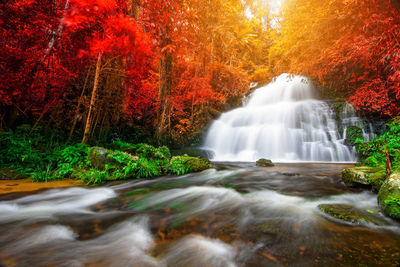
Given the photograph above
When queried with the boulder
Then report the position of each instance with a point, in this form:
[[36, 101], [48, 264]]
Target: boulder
[[264, 163], [358, 175], [98, 157], [198, 164], [352, 215], [389, 196]]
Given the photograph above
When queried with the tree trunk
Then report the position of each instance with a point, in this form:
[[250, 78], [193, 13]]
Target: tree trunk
[[164, 94], [78, 107], [87, 131], [134, 9]]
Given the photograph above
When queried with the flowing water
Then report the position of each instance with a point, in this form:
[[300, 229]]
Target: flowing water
[[236, 214], [282, 121]]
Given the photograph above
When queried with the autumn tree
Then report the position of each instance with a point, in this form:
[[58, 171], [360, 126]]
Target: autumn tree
[[350, 47]]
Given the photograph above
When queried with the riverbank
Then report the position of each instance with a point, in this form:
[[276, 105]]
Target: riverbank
[[27, 185]]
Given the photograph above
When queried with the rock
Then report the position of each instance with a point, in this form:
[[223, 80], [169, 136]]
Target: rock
[[389, 196], [264, 163], [98, 157], [358, 175], [377, 179], [198, 164], [351, 214]]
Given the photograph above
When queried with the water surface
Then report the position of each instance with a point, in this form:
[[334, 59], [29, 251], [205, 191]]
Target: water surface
[[234, 215]]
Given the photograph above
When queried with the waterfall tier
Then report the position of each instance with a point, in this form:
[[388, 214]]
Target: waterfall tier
[[281, 121]]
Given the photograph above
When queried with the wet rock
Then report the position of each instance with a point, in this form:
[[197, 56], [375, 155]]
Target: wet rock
[[389, 196], [358, 175], [198, 164], [98, 157], [264, 163], [377, 179], [351, 214]]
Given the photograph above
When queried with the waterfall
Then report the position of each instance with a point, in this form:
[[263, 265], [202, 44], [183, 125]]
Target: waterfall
[[282, 121]]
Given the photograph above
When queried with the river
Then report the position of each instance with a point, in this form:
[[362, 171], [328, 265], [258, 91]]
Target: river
[[236, 214]]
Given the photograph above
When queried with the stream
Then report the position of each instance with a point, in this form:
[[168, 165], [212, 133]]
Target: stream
[[236, 214]]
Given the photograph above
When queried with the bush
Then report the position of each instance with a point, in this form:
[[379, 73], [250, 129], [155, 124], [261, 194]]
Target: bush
[[145, 150], [352, 134], [93, 176], [178, 166], [73, 156], [375, 152], [40, 175]]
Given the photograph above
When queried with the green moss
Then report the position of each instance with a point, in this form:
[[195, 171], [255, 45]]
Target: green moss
[[377, 179], [358, 175], [350, 214], [198, 164], [389, 196], [264, 163]]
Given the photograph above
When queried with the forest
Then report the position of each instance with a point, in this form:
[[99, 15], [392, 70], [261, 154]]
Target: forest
[[157, 72], [176, 133]]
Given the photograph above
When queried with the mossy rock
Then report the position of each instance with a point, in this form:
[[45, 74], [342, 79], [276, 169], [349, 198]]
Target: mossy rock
[[377, 179], [197, 164], [264, 163], [98, 157], [358, 175], [352, 133], [352, 215], [389, 196]]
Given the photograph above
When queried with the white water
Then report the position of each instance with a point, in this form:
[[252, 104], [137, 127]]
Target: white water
[[281, 121]]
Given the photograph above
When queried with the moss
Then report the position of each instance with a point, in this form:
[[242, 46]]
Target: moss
[[350, 214], [389, 196], [264, 163], [377, 179], [198, 164], [358, 175], [98, 157]]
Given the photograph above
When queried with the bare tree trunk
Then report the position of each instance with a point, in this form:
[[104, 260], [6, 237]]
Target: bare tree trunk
[[87, 131], [388, 162], [78, 107], [59, 31], [164, 94]]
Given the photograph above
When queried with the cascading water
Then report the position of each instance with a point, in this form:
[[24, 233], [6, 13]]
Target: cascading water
[[281, 121]]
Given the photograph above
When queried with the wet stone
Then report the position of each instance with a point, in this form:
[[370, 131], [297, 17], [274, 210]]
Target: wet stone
[[264, 163], [352, 215], [358, 176]]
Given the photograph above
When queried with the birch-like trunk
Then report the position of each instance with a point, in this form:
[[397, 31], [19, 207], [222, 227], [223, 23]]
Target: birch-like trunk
[[88, 126]]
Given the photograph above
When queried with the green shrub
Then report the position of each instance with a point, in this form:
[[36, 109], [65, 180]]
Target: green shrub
[[177, 166], [93, 176], [374, 152], [352, 134], [123, 146], [145, 150], [162, 153], [40, 175], [146, 169]]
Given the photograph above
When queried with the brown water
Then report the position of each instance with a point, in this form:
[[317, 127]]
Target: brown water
[[234, 215]]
